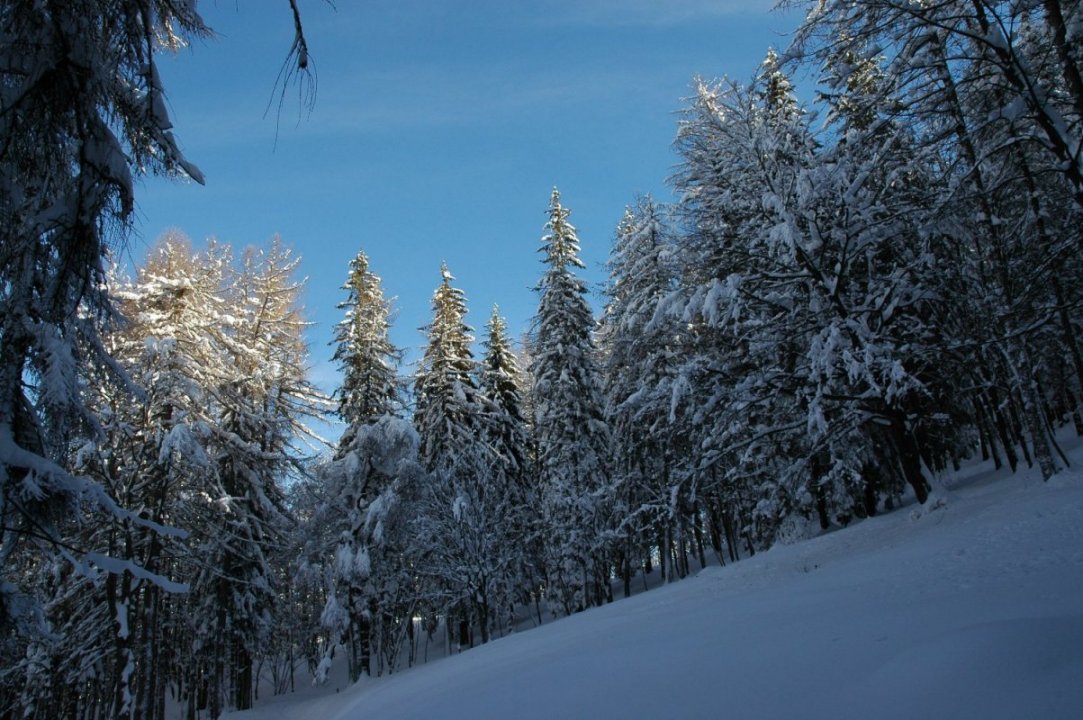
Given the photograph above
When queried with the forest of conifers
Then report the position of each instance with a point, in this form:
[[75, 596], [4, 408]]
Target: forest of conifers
[[847, 297]]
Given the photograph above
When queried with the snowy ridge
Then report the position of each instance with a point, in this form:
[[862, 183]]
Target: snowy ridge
[[971, 610]]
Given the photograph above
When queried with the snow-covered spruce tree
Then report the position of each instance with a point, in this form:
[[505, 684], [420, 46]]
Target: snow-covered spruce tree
[[370, 391], [372, 566], [655, 500], [464, 558], [370, 384], [512, 472], [448, 412], [81, 111], [499, 380], [570, 431]]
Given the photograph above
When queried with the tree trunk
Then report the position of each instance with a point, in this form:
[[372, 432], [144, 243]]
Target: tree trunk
[[242, 675], [663, 556], [870, 488], [1073, 81], [626, 569], [731, 534], [1032, 415], [986, 433], [714, 528], [909, 459], [482, 607], [697, 532], [1006, 440], [365, 631]]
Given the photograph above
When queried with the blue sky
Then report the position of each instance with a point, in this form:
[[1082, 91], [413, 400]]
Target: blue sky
[[438, 132]]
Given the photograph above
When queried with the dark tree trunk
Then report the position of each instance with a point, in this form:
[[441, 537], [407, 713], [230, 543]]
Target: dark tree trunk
[[986, 433], [870, 488], [731, 534], [910, 459], [242, 670], [1006, 440], [697, 532], [714, 528]]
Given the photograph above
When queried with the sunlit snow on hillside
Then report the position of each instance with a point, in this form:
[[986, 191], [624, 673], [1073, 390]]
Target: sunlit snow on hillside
[[971, 609]]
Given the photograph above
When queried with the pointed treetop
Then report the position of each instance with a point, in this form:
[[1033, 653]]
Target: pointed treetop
[[560, 244], [558, 214], [368, 359], [627, 222], [362, 285], [497, 324], [449, 304], [361, 261]]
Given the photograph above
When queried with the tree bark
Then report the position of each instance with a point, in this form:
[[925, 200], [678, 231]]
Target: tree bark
[[910, 459]]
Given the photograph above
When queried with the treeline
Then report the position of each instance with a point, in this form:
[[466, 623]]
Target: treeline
[[846, 299]]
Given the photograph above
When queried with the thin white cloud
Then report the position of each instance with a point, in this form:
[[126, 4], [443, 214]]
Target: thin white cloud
[[442, 96], [545, 13], [430, 95], [648, 13]]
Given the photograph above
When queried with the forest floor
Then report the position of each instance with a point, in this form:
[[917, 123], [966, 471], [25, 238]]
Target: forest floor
[[968, 607]]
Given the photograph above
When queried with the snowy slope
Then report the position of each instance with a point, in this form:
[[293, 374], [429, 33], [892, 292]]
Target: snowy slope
[[971, 610]]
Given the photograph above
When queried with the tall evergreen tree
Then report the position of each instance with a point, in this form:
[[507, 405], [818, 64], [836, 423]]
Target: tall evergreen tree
[[499, 381], [512, 473], [459, 523], [370, 392], [447, 413], [370, 386], [570, 430]]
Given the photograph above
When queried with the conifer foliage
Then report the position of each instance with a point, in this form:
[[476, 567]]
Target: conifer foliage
[[461, 527], [570, 431], [370, 385], [512, 478], [368, 398]]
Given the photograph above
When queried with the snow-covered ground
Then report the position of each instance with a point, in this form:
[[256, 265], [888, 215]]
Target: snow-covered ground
[[970, 610]]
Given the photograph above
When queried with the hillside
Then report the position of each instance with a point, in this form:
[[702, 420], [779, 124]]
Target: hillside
[[973, 609]]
